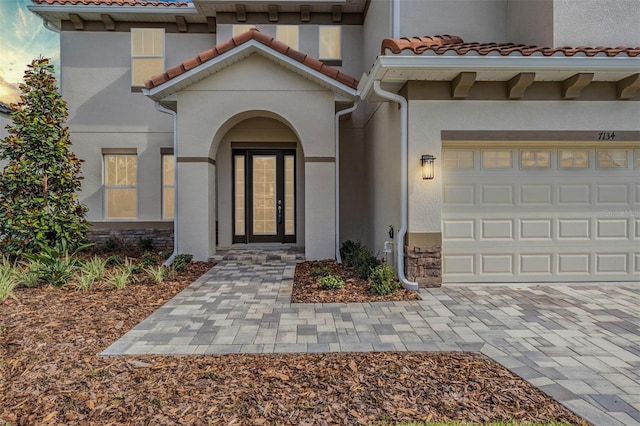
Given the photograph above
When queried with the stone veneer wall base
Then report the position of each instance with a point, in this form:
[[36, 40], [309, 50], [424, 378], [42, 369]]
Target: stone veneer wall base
[[162, 238], [424, 265]]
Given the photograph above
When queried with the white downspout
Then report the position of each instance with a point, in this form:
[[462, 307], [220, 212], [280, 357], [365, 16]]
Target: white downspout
[[337, 173], [404, 144], [174, 114], [395, 18], [49, 26]]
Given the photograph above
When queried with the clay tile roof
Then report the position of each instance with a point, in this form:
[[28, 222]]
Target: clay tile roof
[[441, 44], [113, 3], [252, 34]]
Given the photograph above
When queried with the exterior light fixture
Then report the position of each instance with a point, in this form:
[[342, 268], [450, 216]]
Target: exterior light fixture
[[427, 166]]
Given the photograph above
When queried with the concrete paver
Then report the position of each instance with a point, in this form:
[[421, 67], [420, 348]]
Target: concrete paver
[[579, 343]]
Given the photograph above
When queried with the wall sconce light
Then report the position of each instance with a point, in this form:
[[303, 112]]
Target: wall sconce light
[[427, 166]]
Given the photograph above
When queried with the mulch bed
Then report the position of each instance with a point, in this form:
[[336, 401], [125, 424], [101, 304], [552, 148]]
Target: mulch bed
[[50, 374], [356, 290]]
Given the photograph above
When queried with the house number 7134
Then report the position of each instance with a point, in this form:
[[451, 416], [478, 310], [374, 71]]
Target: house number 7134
[[606, 136]]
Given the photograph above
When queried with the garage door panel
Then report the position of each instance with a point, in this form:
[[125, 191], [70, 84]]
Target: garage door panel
[[611, 229], [496, 264], [574, 194], [497, 194], [536, 195], [535, 229], [612, 194], [560, 224], [537, 264], [459, 230]]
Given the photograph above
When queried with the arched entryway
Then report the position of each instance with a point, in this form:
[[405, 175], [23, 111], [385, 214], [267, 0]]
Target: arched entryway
[[260, 181]]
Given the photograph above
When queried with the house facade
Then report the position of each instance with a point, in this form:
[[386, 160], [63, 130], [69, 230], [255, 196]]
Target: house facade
[[469, 141]]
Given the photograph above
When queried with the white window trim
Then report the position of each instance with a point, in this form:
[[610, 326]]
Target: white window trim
[[613, 159], [573, 166], [482, 166]]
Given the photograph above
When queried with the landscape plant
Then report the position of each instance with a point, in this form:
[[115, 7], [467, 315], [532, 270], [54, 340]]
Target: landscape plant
[[84, 282], [120, 277], [181, 261], [95, 267], [8, 279], [156, 273], [364, 262], [39, 205], [27, 274], [383, 280], [330, 282], [54, 264], [348, 251]]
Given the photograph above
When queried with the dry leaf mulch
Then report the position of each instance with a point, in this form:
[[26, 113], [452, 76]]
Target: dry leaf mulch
[[50, 374], [356, 290]]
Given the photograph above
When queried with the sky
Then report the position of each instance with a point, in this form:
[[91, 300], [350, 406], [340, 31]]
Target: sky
[[22, 39]]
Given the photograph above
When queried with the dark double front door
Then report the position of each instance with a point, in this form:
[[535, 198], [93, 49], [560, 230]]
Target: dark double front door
[[264, 195]]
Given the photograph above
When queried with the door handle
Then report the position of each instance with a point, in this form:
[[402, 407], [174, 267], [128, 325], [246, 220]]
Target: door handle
[[279, 211]]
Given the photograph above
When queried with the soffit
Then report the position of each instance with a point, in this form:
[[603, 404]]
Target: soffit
[[211, 7]]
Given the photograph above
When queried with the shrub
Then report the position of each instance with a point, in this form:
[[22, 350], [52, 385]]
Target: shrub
[[39, 185], [27, 275], [121, 276], [181, 261], [364, 262], [156, 273], [84, 282], [114, 260], [383, 280], [145, 243], [330, 282], [348, 251], [320, 271], [148, 260], [95, 268], [8, 280], [113, 244], [165, 254], [54, 264]]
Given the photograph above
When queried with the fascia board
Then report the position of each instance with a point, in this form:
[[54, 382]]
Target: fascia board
[[189, 9], [498, 63], [220, 62]]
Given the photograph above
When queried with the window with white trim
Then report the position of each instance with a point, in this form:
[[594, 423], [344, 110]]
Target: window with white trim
[[497, 159], [458, 159], [121, 182], [573, 158], [288, 34], [637, 158], [330, 42], [241, 29], [168, 186], [612, 158], [535, 159], [147, 54]]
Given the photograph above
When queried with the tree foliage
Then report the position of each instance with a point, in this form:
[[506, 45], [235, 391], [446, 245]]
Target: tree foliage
[[39, 205]]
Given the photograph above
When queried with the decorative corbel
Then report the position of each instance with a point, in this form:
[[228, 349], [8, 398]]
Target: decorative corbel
[[273, 13], [518, 85], [336, 11], [461, 85], [181, 23], [572, 86], [241, 13], [109, 23], [77, 21], [305, 13], [628, 87]]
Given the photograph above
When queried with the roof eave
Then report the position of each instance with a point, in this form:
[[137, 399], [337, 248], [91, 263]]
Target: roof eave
[[515, 64], [223, 61]]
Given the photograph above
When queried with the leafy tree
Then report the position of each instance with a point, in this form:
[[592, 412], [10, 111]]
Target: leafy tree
[[39, 206]]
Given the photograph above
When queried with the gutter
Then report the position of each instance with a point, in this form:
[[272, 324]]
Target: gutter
[[48, 25], [337, 174], [174, 114], [404, 192]]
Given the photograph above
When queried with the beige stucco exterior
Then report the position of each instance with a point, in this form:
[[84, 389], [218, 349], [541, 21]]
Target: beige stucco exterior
[[231, 106]]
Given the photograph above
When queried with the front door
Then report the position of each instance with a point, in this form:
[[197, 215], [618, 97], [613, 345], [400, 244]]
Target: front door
[[264, 195]]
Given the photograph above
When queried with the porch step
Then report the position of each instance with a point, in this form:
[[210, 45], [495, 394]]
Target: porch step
[[259, 254]]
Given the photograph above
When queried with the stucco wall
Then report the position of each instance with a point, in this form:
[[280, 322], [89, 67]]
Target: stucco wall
[[473, 20], [382, 174], [377, 27], [428, 118], [353, 207], [596, 22], [530, 22], [256, 87], [104, 113]]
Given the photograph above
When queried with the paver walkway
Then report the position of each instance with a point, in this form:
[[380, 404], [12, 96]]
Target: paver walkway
[[578, 343]]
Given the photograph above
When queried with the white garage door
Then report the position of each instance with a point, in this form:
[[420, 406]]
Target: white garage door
[[541, 214]]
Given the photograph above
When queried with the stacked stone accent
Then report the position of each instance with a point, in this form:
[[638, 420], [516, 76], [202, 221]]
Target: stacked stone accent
[[424, 265], [162, 238]]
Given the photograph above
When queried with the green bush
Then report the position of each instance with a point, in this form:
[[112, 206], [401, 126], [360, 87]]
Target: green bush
[[54, 265], [94, 268], [148, 260], [8, 280], [113, 244], [181, 261], [39, 184], [145, 243], [156, 273], [320, 271], [114, 260], [330, 282], [364, 262], [27, 274], [84, 282], [348, 251], [383, 280]]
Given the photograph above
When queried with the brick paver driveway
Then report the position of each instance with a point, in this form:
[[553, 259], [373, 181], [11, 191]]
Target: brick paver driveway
[[579, 343]]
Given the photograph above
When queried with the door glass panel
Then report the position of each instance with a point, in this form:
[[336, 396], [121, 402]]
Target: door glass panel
[[264, 194], [289, 195], [239, 194]]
